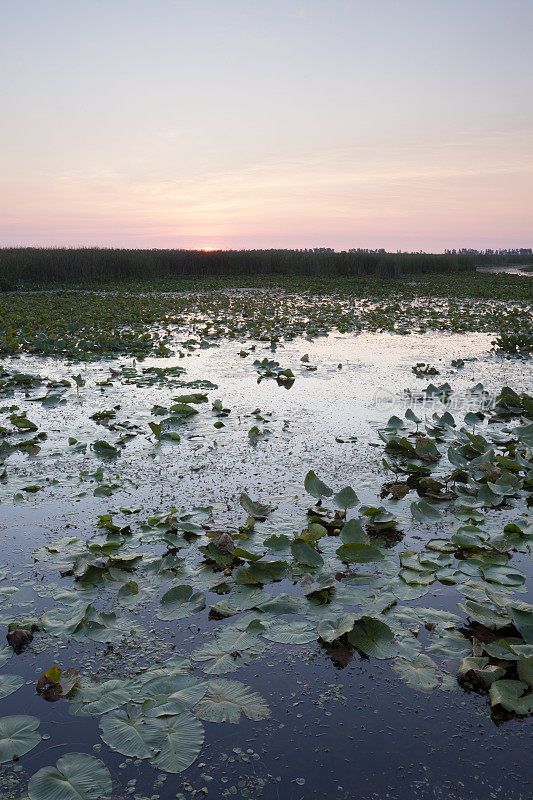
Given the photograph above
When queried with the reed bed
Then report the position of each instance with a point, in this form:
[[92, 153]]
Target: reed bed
[[22, 266]]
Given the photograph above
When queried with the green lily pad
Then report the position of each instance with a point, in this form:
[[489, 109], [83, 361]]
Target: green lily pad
[[281, 604], [359, 553], [103, 448], [123, 731], [424, 511], [375, 638], [486, 616], [17, 736], [167, 695], [226, 700], [478, 669], [278, 542], [420, 674], [335, 627], [5, 654], [524, 668], [295, 632], [261, 572], [523, 620], [305, 554], [315, 487], [129, 594], [253, 508], [181, 602], [92, 698], [506, 576], [416, 577], [511, 696], [353, 532], [9, 684], [229, 651], [346, 498], [175, 741], [450, 644], [77, 776]]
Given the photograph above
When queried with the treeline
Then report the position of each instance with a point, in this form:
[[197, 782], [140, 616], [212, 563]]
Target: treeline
[[26, 266]]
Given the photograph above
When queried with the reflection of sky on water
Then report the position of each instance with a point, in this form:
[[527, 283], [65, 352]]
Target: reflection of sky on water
[[338, 720]]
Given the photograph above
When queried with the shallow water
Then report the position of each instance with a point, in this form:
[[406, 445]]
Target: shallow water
[[342, 725], [525, 270]]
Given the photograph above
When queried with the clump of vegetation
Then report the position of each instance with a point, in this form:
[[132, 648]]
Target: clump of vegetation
[[422, 369], [516, 344], [139, 321]]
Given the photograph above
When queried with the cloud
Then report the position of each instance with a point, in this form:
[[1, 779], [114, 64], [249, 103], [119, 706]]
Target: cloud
[[332, 194]]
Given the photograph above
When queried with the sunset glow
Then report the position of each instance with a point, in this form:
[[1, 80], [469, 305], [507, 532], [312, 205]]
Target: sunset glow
[[238, 125]]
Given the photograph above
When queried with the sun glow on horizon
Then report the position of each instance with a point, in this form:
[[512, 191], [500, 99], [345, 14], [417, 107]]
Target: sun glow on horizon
[[344, 140]]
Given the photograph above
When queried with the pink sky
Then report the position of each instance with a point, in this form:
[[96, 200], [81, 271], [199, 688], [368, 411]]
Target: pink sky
[[363, 125]]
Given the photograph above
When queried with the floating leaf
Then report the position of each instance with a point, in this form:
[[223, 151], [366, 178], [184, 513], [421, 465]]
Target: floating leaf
[[420, 674], [424, 511], [253, 508], [93, 698], [281, 604], [450, 644], [227, 654], [77, 776], [522, 616], [352, 531], [64, 621], [240, 599], [417, 577], [524, 668], [477, 669], [305, 554], [17, 736], [176, 741], [103, 448], [315, 487], [9, 684], [156, 429], [507, 484], [129, 595], [103, 627], [225, 701], [359, 553], [5, 654], [285, 632], [180, 602], [123, 731], [278, 542], [506, 576], [313, 533], [510, 695], [374, 638], [486, 616], [261, 572], [346, 498], [168, 695], [335, 627]]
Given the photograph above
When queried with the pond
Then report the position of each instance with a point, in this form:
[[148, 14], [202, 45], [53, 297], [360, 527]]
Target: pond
[[246, 561]]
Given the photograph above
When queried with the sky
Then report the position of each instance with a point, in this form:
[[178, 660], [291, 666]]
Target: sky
[[403, 124]]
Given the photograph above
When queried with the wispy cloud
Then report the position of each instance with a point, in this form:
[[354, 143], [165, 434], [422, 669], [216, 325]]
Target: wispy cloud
[[341, 193]]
